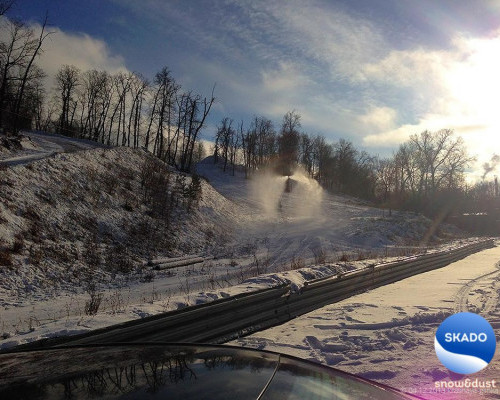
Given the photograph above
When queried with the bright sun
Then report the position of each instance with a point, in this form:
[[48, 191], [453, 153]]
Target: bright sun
[[473, 85]]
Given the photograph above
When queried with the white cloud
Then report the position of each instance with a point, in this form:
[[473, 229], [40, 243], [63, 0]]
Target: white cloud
[[410, 67], [457, 89], [340, 42], [270, 92], [379, 119], [80, 50], [286, 78]]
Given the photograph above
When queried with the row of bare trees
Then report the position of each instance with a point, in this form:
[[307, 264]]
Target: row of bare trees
[[125, 109], [338, 167], [121, 109], [425, 174]]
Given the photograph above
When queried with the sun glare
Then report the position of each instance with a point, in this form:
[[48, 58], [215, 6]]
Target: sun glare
[[473, 84]]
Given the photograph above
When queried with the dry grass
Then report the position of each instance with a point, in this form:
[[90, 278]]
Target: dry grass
[[92, 305], [344, 257], [297, 263]]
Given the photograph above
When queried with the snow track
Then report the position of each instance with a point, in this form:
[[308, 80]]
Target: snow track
[[44, 145], [487, 303]]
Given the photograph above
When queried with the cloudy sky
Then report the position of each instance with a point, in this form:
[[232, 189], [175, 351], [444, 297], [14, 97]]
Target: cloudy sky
[[371, 71]]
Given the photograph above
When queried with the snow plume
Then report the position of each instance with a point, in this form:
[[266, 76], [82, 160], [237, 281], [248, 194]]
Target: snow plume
[[491, 165], [297, 196], [266, 189], [305, 197]]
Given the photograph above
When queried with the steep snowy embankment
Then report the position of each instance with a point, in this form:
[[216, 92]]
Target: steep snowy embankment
[[75, 218]]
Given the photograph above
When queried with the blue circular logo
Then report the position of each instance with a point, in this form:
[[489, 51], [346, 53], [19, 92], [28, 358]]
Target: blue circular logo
[[465, 343]]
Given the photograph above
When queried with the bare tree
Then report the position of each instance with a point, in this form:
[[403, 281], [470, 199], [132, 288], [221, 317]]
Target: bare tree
[[5, 6], [123, 83], [38, 96], [116, 90], [139, 86], [322, 156], [344, 154], [441, 157], [18, 52], [162, 113], [67, 80], [306, 153], [258, 144], [289, 142], [104, 101], [198, 111], [94, 96], [223, 138], [249, 149], [46, 114], [33, 48], [429, 170], [386, 172], [235, 146], [29, 109], [266, 141]]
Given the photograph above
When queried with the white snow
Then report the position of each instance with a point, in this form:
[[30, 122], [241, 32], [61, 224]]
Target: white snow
[[40, 145], [252, 234], [387, 334]]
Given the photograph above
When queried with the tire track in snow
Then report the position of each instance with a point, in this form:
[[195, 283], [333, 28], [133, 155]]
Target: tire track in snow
[[461, 298]]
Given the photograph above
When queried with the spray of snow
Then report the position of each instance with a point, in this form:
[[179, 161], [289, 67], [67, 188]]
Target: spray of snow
[[266, 188], [303, 199], [306, 196]]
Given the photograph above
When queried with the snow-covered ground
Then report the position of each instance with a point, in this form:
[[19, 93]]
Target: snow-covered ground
[[309, 223], [387, 334], [40, 145], [72, 207]]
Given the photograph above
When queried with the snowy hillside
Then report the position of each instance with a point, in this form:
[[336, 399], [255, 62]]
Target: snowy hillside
[[72, 216], [79, 228]]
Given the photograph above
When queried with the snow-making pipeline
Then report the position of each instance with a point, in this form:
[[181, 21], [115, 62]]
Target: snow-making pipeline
[[232, 317], [169, 263]]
